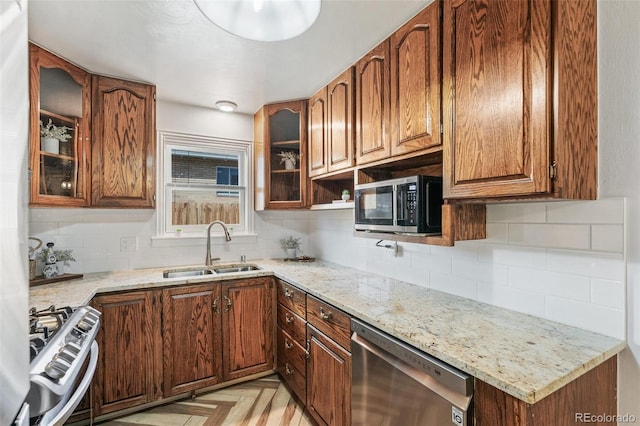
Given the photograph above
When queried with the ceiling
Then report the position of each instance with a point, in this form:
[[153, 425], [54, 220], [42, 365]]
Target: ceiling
[[171, 44]]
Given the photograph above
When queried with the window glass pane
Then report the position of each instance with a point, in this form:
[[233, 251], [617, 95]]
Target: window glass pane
[[203, 168], [201, 207]]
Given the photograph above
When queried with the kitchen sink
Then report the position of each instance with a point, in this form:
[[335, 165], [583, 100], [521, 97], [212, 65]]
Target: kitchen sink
[[226, 269], [190, 272]]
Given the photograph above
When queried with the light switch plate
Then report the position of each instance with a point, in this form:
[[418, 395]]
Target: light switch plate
[[128, 243]]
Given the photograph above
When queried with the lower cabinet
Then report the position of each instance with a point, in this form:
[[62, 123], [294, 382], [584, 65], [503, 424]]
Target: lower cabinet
[[130, 363]]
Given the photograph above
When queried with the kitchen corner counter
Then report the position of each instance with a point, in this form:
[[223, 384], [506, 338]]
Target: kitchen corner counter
[[524, 356]]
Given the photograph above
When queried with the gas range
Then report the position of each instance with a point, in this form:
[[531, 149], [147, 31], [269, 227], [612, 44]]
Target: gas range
[[61, 341]]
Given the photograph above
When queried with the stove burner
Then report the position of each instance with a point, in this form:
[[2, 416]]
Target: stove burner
[[43, 324]]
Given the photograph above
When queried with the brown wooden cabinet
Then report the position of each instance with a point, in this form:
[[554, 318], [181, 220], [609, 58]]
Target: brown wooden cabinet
[[60, 95], [520, 99], [123, 149], [248, 327], [415, 83], [130, 364], [192, 335], [318, 131], [341, 128], [372, 100], [281, 129]]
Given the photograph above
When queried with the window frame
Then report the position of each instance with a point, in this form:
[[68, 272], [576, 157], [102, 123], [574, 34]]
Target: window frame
[[183, 141]]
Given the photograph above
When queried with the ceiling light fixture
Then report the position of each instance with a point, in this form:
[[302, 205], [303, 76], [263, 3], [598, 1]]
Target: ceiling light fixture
[[226, 106], [261, 20]]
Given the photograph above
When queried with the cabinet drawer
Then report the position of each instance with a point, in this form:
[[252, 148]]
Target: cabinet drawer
[[331, 321], [292, 324], [290, 351], [294, 378], [293, 298]]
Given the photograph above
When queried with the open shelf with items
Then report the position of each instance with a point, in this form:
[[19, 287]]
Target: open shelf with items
[[326, 191]]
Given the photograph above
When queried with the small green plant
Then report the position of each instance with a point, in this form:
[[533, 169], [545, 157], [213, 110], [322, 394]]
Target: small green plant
[[290, 243], [345, 192], [62, 256], [50, 130]]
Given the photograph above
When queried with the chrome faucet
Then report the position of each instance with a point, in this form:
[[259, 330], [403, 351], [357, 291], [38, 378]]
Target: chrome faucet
[[227, 236]]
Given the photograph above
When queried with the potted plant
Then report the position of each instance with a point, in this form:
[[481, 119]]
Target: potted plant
[[345, 195], [290, 245], [289, 159], [51, 135]]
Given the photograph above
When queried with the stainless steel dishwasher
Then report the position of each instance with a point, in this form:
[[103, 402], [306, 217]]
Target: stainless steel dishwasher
[[396, 384]]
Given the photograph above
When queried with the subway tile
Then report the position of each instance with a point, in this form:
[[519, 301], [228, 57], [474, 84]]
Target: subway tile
[[607, 238], [528, 302], [462, 249], [43, 229], [478, 271], [598, 319], [549, 235], [550, 283], [608, 293], [516, 213], [595, 265], [432, 263], [608, 210], [511, 255], [496, 233], [454, 285]]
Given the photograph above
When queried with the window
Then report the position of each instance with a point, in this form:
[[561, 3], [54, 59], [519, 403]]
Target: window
[[203, 179]]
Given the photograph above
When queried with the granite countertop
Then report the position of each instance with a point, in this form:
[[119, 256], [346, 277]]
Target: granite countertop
[[522, 355]]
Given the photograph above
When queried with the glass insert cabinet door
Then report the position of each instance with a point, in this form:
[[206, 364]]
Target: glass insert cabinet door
[[60, 105], [285, 129]]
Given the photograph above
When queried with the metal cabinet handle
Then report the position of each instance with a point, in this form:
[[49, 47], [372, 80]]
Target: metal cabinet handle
[[215, 305], [288, 293], [325, 316], [287, 344], [288, 318], [288, 370], [229, 304]]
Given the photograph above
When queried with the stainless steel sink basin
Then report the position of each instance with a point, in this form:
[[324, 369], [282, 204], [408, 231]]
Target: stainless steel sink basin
[[190, 272], [225, 269]]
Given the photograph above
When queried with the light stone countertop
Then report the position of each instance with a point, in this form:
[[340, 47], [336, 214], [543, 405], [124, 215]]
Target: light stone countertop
[[525, 356]]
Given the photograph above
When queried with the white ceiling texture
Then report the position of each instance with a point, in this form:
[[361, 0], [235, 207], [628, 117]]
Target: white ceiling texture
[[171, 44]]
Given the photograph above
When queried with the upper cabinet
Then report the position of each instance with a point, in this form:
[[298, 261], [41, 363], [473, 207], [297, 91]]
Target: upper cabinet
[[318, 126], [60, 116], [340, 132], [372, 100], [123, 151], [280, 142], [415, 83], [103, 153], [520, 99]]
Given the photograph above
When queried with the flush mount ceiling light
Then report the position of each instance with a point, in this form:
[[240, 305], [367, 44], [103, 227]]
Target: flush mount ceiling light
[[261, 20], [226, 106]]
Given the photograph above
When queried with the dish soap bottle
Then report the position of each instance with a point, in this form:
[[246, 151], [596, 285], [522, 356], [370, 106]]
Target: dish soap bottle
[[50, 269]]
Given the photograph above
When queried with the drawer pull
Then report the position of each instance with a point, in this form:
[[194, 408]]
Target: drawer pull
[[325, 316], [287, 344], [288, 318], [288, 370], [288, 293]]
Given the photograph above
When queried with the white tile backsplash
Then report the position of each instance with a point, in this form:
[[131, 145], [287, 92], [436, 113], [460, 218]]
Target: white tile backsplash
[[535, 260]]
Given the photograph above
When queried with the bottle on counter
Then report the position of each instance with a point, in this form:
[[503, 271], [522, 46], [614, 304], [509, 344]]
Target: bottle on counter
[[50, 269]]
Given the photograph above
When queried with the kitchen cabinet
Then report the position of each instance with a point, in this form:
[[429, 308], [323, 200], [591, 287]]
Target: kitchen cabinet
[[318, 128], [415, 83], [280, 130], [248, 325], [341, 112], [329, 363], [372, 100], [520, 99], [192, 336], [124, 141], [59, 95], [130, 360]]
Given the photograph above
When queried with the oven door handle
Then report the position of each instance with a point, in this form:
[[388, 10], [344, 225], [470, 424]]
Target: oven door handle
[[66, 411]]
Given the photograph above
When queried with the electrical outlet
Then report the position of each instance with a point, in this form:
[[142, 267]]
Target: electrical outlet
[[128, 243]]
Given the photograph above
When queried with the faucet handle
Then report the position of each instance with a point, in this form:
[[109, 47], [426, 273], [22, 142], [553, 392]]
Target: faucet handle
[[211, 259]]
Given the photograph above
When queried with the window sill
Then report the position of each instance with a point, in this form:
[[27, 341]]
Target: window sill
[[200, 240]]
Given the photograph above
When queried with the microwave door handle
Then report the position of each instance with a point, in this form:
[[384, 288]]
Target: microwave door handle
[[394, 207], [401, 199]]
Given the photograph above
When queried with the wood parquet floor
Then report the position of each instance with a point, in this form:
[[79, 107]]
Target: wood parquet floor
[[261, 402]]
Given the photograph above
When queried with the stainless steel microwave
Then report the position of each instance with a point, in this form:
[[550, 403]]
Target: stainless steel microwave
[[405, 205]]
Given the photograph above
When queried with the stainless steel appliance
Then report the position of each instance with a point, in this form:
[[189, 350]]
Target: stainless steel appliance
[[395, 384], [406, 205], [61, 342]]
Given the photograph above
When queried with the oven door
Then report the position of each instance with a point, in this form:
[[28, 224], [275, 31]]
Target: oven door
[[374, 207]]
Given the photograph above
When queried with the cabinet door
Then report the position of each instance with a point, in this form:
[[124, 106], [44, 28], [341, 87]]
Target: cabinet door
[[340, 108], [318, 133], [328, 380], [192, 339], [372, 105], [248, 327], [415, 83], [123, 152], [130, 365], [60, 96], [496, 59], [285, 134]]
